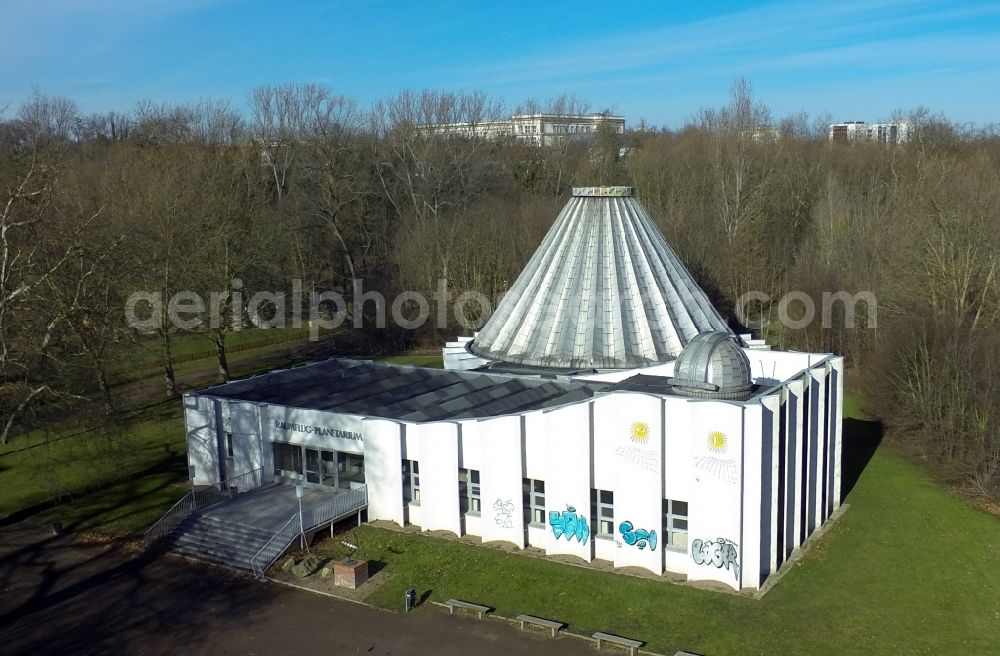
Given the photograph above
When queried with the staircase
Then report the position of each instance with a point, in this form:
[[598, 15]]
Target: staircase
[[249, 526], [210, 538]]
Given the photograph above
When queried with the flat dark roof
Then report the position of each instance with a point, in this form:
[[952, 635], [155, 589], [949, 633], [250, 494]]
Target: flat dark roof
[[401, 392]]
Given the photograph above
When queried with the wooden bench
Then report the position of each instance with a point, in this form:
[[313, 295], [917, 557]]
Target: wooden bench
[[452, 604], [630, 644], [552, 625]]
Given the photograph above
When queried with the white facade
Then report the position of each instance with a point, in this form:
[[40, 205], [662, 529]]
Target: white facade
[[886, 133], [746, 482]]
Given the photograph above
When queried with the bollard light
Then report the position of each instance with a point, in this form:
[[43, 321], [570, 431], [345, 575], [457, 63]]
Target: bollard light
[[300, 490]]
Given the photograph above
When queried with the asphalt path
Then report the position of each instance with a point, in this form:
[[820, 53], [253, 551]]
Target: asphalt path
[[58, 596]]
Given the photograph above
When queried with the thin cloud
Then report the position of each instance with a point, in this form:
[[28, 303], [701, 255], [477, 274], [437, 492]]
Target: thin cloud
[[750, 37]]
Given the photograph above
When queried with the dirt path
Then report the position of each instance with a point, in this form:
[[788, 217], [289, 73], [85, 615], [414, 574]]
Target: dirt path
[[59, 597]]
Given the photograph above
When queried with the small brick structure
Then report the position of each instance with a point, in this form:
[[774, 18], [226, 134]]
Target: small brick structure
[[350, 573]]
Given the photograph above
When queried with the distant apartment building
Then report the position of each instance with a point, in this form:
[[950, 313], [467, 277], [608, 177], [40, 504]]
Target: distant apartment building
[[536, 129], [899, 132]]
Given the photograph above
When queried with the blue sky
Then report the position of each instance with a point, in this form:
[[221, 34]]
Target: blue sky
[[660, 61]]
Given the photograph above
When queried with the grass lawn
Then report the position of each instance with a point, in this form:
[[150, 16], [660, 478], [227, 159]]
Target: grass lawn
[[196, 351], [99, 477], [126, 508], [430, 361]]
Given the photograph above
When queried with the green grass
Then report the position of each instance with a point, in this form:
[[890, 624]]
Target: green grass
[[852, 407], [196, 351], [432, 361], [127, 508], [77, 467]]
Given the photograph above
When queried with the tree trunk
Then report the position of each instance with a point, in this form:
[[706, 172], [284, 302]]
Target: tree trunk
[[220, 348], [168, 366]]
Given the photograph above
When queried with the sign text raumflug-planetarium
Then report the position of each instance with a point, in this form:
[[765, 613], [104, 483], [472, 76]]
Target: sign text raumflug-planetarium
[[317, 430]]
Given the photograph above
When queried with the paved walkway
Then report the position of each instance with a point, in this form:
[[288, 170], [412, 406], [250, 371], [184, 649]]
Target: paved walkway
[[59, 597]]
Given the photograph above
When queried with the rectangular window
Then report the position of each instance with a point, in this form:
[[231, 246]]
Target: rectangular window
[[411, 482], [287, 460], [350, 470], [675, 524], [229, 444], [602, 512], [468, 491], [533, 495]]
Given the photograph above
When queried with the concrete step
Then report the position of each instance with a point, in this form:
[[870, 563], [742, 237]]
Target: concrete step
[[231, 531], [212, 539], [224, 559], [244, 549]]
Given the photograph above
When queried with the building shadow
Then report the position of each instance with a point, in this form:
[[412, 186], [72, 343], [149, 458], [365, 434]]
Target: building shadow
[[861, 439]]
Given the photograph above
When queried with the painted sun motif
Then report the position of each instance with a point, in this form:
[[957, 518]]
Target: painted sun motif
[[717, 442], [640, 432]]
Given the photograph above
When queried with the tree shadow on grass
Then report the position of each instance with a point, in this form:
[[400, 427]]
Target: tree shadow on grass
[[170, 463], [861, 439]]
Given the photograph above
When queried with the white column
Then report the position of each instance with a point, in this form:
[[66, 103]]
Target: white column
[[715, 509], [500, 475], [567, 488], [838, 429], [632, 425], [384, 469], [817, 402], [200, 422], [439, 509], [771, 406]]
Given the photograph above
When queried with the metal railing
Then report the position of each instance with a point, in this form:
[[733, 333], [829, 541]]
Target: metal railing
[[276, 546], [201, 498], [339, 506]]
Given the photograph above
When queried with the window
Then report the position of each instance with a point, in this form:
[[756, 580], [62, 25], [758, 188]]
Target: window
[[350, 470], [602, 510], [287, 460], [229, 444], [533, 493], [411, 482], [468, 491], [675, 524]]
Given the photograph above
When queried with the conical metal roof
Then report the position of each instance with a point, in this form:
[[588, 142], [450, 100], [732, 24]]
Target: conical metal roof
[[603, 291]]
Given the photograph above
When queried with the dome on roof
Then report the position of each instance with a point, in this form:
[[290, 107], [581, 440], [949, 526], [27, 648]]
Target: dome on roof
[[713, 366]]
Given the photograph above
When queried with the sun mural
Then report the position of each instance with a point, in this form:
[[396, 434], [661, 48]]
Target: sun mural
[[640, 432], [717, 442]]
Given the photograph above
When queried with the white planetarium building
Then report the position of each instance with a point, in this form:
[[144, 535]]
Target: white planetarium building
[[605, 411]]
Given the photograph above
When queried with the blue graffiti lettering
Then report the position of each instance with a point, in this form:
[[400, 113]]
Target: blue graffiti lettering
[[637, 537], [569, 525]]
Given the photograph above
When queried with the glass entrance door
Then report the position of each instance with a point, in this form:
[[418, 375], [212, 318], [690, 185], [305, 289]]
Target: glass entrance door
[[313, 472], [328, 466], [318, 467]]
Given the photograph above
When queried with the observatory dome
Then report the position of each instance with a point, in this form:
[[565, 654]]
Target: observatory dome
[[713, 366]]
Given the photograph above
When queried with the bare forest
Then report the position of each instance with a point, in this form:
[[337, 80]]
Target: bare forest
[[299, 183]]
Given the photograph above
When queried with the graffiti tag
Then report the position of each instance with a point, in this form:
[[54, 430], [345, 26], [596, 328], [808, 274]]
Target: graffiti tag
[[637, 537], [569, 525], [503, 513], [720, 552]]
